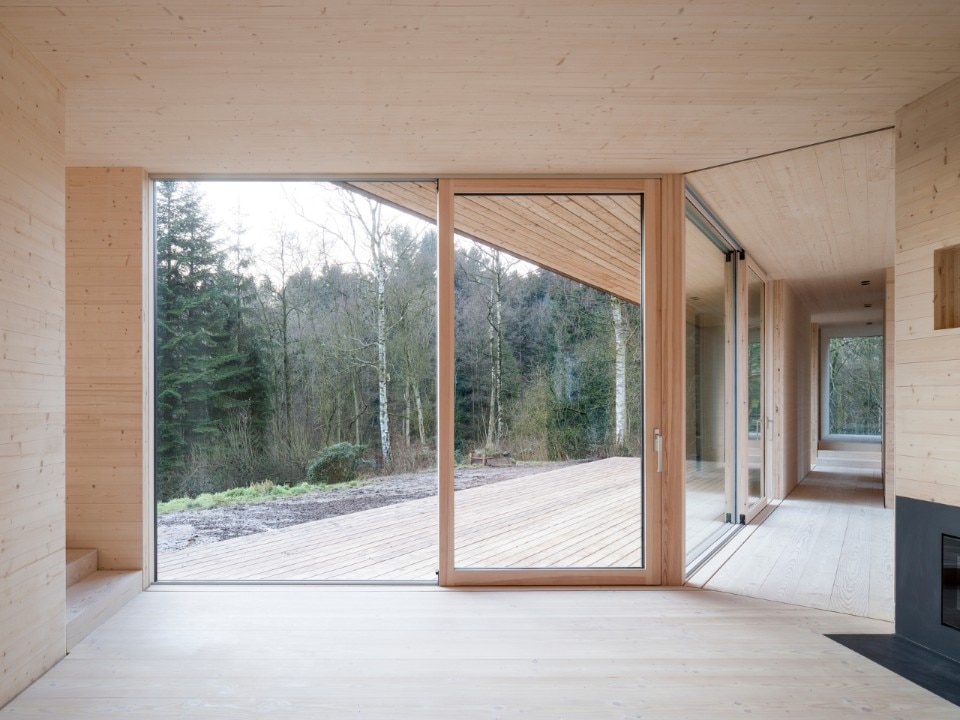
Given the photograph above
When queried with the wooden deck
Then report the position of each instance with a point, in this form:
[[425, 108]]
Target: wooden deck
[[587, 515]]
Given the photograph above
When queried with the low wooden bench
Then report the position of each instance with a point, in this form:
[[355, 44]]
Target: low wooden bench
[[484, 458]]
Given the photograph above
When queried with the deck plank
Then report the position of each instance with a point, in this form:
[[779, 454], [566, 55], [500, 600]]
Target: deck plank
[[585, 515]]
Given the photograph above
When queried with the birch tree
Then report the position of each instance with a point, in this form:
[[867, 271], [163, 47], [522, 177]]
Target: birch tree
[[620, 372]]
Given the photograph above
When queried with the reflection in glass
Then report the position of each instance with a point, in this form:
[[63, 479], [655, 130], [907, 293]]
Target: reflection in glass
[[707, 380], [548, 387], [755, 413]]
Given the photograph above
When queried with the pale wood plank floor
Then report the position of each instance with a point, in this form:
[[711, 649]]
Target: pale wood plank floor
[[829, 545], [586, 515], [296, 653], [704, 505]]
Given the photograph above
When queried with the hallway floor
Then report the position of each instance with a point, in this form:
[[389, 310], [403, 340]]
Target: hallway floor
[[829, 545]]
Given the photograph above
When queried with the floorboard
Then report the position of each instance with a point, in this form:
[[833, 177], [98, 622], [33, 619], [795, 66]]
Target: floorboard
[[584, 515], [314, 652], [829, 545]]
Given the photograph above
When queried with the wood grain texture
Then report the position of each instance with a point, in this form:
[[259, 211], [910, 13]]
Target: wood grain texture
[[574, 228], [828, 545], [104, 383], [926, 360], [587, 515], [792, 379], [504, 87], [434, 653], [32, 557], [672, 347], [820, 217], [889, 385]]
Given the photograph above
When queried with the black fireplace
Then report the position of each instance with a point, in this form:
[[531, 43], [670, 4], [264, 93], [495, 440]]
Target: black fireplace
[[928, 575], [950, 582]]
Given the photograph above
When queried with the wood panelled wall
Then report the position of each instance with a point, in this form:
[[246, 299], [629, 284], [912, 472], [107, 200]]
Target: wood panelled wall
[[104, 376], [927, 361], [889, 412], [792, 373], [32, 592]]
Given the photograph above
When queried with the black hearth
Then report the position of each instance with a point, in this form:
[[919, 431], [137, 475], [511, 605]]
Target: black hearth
[[928, 575], [950, 582]]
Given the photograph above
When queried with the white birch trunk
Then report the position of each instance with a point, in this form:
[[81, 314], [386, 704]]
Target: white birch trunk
[[620, 343], [382, 361], [406, 414], [491, 342], [419, 405], [498, 349]]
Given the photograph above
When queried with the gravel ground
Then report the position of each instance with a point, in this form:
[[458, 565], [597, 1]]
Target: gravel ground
[[185, 528]]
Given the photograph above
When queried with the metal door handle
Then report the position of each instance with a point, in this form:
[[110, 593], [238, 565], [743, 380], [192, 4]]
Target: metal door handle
[[658, 448]]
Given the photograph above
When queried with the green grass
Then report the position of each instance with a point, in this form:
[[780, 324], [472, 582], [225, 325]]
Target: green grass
[[255, 493]]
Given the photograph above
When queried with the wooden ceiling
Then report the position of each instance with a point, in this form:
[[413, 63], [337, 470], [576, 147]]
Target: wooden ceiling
[[593, 239], [500, 87], [821, 217]]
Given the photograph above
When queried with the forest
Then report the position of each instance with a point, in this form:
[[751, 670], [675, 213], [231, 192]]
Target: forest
[[325, 345], [855, 366]]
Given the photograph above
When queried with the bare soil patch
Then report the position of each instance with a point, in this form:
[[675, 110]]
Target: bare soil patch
[[178, 530]]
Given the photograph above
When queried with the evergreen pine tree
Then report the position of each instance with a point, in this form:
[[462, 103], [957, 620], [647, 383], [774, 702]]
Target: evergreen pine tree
[[205, 373]]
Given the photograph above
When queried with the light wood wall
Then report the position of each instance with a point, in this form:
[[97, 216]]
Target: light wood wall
[[104, 377], [32, 579], [926, 361], [889, 427], [792, 377]]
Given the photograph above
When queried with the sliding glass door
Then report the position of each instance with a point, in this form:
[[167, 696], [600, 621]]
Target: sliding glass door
[[728, 420], [549, 417], [755, 420], [710, 439]]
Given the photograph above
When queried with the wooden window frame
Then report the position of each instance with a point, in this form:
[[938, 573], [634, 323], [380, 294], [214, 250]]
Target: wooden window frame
[[656, 277]]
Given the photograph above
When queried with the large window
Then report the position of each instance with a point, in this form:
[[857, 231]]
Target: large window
[[295, 407], [349, 389], [854, 370], [549, 381]]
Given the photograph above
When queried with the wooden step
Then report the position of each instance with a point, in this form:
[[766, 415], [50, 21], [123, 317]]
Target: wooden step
[[95, 598], [80, 563], [846, 444]]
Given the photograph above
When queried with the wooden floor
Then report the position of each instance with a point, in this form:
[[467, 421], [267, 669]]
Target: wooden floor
[[585, 515], [705, 505], [829, 545], [290, 653]]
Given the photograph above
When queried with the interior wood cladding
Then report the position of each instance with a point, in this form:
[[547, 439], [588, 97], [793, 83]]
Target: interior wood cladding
[[821, 217], [105, 241], [791, 392], [493, 88], [927, 361], [32, 559], [889, 406], [946, 288]]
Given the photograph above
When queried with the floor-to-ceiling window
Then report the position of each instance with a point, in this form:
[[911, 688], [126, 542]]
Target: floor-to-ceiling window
[[298, 424], [295, 391], [549, 380], [727, 418], [709, 381], [852, 378]]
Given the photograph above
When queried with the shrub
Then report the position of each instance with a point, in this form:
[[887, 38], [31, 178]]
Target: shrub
[[335, 464]]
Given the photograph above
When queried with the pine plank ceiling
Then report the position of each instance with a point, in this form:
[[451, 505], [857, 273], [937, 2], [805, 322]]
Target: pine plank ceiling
[[486, 87], [525, 87], [821, 217]]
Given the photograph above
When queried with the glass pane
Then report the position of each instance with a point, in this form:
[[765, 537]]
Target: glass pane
[[855, 367], [707, 496], [549, 382], [755, 412], [295, 384]]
